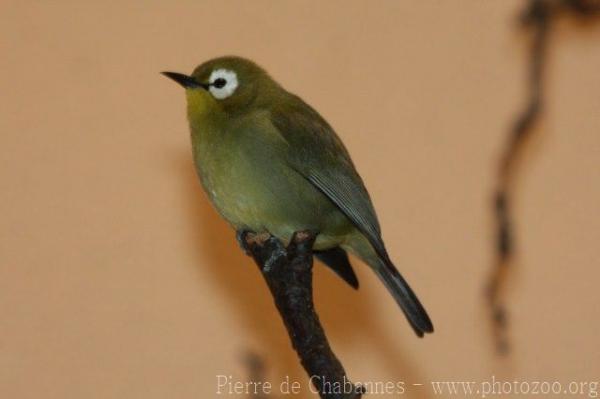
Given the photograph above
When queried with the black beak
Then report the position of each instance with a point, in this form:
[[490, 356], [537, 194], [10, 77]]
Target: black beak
[[186, 81]]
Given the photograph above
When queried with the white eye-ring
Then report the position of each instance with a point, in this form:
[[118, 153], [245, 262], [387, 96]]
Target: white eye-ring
[[222, 83]]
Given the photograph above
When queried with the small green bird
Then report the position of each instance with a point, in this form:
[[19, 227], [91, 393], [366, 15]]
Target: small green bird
[[270, 163]]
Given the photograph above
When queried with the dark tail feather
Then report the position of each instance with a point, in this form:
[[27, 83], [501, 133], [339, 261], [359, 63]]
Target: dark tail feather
[[337, 260], [405, 297]]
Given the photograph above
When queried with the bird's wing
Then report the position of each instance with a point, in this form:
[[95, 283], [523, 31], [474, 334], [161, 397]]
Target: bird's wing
[[317, 153]]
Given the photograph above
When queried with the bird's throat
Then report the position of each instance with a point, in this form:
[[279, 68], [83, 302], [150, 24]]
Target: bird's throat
[[201, 107]]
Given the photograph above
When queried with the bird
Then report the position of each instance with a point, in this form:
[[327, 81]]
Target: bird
[[270, 163]]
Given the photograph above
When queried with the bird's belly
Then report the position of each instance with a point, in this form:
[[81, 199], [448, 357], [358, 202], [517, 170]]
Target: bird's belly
[[266, 195]]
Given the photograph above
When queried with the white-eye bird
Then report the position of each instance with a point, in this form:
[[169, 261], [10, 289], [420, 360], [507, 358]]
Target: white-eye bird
[[270, 163]]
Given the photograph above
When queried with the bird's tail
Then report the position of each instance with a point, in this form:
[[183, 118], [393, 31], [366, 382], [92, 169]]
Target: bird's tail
[[405, 297], [396, 285]]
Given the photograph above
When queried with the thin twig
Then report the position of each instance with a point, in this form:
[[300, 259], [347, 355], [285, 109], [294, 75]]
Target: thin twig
[[538, 17]]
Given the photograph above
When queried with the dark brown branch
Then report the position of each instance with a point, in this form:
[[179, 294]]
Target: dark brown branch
[[538, 17], [288, 273]]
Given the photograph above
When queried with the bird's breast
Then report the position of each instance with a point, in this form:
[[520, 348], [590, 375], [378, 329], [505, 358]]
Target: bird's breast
[[248, 180]]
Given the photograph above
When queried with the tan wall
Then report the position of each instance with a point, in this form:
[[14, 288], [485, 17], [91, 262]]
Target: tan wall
[[117, 279]]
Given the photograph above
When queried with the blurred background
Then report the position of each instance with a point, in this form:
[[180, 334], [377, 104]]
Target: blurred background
[[118, 279]]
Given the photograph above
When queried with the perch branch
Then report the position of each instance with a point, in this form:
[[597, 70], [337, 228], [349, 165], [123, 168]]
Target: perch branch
[[288, 273]]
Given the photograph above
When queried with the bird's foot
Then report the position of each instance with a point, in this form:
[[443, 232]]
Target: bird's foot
[[248, 238], [260, 244], [271, 251]]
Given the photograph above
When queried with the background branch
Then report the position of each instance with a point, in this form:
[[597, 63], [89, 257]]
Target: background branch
[[538, 17]]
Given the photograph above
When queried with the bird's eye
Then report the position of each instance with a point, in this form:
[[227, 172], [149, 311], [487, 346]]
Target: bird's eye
[[222, 83]]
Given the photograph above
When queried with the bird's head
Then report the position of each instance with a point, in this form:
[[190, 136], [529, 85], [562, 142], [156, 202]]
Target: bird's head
[[229, 85]]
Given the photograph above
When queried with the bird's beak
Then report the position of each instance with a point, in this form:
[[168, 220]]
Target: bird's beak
[[186, 81]]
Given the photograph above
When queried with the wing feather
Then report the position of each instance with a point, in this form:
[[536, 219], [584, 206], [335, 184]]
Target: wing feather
[[317, 153]]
